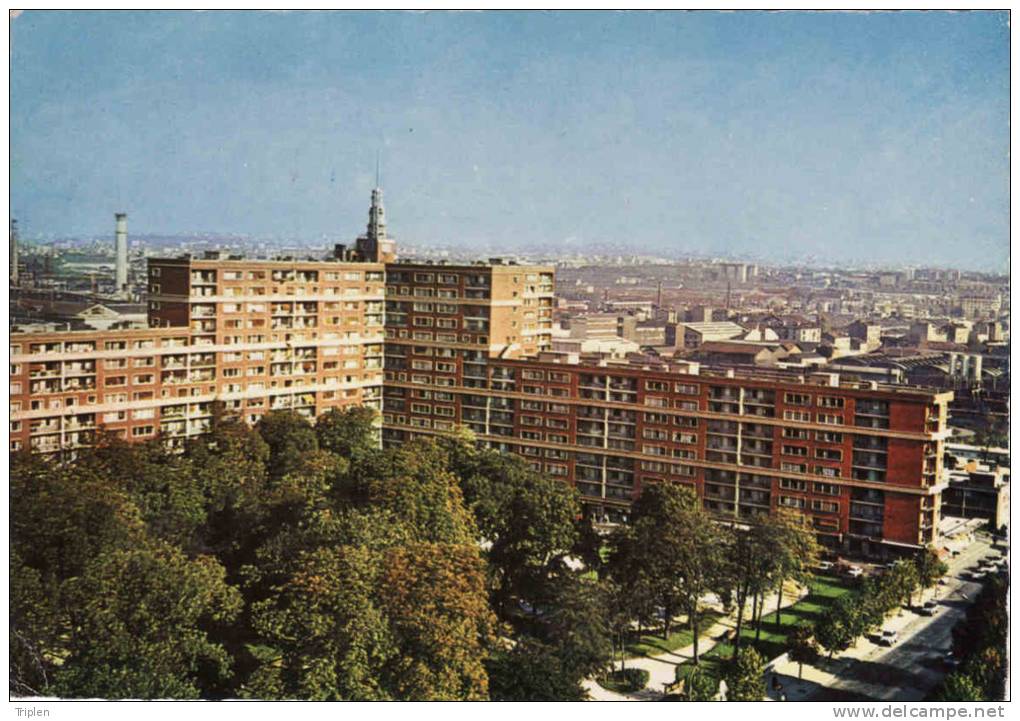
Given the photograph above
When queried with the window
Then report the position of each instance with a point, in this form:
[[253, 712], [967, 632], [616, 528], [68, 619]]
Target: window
[[791, 502], [830, 419], [797, 399], [830, 402], [790, 484], [687, 389], [827, 489], [825, 506], [794, 451], [798, 433], [802, 416]]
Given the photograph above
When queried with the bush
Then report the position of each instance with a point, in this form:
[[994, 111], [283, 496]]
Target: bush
[[745, 677], [627, 680]]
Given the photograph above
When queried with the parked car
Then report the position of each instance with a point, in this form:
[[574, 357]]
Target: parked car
[[854, 572], [887, 638], [950, 661], [824, 566], [930, 608], [943, 582], [977, 575]]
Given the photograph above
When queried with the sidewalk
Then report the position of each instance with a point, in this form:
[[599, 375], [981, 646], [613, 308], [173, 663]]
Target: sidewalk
[[661, 668], [920, 637]]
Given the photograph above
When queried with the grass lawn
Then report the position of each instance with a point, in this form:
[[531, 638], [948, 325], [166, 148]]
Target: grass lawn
[[653, 644], [823, 591]]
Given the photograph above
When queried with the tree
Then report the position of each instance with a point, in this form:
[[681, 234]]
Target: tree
[[576, 622], [840, 625], [958, 686], [930, 568], [320, 633], [526, 520], [749, 568], [531, 671], [802, 648], [357, 581], [349, 433], [34, 629], [291, 440], [136, 626], [671, 553], [797, 552], [631, 568], [700, 685], [901, 580], [434, 597], [745, 677]]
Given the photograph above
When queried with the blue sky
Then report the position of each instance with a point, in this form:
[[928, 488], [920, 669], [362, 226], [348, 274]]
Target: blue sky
[[833, 136]]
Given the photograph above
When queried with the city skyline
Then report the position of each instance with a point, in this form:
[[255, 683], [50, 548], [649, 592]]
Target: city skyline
[[796, 135]]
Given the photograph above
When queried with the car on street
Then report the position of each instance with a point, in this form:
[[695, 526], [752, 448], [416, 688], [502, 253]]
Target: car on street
[[854, 572], [930, 608], [950, 661], [824, 566], [976, 575], [887, 638]]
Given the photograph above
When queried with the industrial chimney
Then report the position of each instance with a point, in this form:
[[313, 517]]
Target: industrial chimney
[[14, 252], [122, 253]]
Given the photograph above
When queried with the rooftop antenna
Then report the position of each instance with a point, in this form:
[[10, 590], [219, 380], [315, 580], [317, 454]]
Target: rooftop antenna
[[377, 168]]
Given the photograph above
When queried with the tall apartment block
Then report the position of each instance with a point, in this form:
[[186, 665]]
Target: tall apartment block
[[863, 462], [252, 335], [444, 323]]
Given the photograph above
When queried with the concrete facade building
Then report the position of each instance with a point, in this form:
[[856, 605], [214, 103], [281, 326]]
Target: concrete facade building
[[438, 347], [862, 462]]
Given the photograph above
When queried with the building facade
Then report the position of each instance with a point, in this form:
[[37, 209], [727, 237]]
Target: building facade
[[862, 463], [251, 335]]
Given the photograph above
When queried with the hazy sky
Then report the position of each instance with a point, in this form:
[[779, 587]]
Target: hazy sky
[[834, 136]]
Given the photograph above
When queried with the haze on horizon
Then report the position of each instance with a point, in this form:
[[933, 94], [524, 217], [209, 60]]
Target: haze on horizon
[[834, 136]]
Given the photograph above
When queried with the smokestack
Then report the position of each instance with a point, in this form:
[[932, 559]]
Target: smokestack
[[14, 251], [122, 252]]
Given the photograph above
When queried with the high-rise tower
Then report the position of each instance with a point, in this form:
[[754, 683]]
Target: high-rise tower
[[121, 276]]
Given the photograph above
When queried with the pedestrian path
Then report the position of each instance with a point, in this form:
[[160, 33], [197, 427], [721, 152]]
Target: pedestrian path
[[661, 667]]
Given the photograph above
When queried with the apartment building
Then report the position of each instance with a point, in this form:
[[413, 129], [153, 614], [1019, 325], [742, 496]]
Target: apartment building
[[444, 322], [252, 335], [862, 462]]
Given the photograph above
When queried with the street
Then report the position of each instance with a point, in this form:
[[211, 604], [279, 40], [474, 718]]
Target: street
[[911, 667]]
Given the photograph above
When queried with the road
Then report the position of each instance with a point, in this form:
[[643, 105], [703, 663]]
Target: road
[[908, 670]]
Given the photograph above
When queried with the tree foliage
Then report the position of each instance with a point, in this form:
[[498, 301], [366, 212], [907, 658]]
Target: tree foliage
[[745, 677], [285, 561]]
